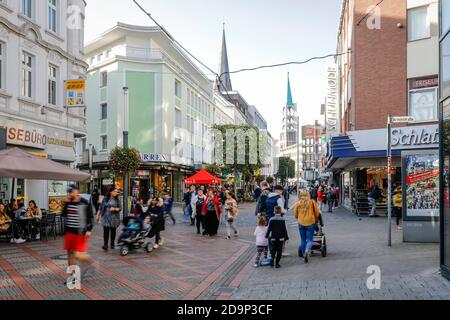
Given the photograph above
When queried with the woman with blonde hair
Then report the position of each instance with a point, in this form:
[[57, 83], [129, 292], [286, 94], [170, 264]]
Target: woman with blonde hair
[[307, 213]]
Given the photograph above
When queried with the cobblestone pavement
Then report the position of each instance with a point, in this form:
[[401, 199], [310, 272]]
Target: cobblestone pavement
[[408, 271], [193, 267]]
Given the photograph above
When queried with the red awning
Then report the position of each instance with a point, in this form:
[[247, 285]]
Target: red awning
[[202, 177]]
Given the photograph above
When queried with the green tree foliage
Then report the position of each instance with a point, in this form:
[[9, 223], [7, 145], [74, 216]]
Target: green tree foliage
[[286, 169], [124, 160]]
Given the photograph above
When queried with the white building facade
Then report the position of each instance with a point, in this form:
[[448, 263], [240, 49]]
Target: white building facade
[[41, 46]]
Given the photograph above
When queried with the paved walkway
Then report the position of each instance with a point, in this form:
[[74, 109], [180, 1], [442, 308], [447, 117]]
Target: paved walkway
[[194, 267]]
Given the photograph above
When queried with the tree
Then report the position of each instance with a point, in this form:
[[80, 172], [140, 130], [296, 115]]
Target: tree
[[247, 169], [286, 169], [214, 169]]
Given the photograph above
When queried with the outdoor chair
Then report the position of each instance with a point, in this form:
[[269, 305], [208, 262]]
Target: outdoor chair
[[48, 225]]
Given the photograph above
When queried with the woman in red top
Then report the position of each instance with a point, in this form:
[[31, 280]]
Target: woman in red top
[[211, 211], [321, 197]]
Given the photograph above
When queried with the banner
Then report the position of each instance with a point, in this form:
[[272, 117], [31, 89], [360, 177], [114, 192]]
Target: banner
[[75, 93]]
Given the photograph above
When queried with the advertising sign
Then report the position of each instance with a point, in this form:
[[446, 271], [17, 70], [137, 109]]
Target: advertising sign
[[75, 93], [422, 185], [332, 103]]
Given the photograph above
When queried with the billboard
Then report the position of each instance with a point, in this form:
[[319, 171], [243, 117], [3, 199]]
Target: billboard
[[75, 93], [421, 185]]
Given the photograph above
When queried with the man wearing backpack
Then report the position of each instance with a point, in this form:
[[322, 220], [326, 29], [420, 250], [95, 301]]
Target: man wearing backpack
[[275, 199], [313, 192], [261, 203]]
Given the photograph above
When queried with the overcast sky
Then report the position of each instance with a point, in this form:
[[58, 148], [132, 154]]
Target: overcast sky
[[259, 32]]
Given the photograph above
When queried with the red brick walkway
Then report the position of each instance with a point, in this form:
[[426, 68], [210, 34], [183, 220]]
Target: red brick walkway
[[184, 268]]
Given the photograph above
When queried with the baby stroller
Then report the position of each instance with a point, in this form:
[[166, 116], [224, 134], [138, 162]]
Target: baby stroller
[[319, 241], [134, 236]]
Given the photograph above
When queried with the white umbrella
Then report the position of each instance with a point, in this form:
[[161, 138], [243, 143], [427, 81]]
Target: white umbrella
[[15, 163]]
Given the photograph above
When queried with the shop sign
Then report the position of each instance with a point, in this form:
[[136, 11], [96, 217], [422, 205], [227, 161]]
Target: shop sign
[[332, 105], [75, 93], [422, 83], [60, 142], [18, 134], [152, 157], [415, 136], [108, 182], [142, 173]]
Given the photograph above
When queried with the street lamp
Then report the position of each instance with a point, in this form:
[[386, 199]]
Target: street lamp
[[125, 145]]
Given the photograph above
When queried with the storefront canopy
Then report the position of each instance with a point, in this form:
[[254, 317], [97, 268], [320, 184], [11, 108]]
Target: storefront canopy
[[15, 163], [202, 177]]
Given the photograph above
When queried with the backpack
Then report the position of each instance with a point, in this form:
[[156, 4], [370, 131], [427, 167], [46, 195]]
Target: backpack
[[271, 203], [313, 193], [263, 202]]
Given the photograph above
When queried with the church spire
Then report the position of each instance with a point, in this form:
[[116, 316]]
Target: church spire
[[290, 101], [224, 66]]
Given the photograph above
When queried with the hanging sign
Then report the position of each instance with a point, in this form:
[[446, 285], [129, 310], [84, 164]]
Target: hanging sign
[[75, 93]]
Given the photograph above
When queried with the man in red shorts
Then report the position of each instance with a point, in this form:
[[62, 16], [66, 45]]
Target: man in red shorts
[[78, 214]]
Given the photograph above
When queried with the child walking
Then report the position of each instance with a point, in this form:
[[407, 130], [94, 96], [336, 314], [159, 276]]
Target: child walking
[[262, 244], [277, 234]]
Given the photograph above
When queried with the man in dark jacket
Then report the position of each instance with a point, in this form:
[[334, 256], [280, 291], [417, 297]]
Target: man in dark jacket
[[261, 208], [78, 216], [373, 198]]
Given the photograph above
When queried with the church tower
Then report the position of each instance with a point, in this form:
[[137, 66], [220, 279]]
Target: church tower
[[289, 133], [225, 79]]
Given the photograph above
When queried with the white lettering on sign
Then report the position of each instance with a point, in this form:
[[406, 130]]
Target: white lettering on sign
[[332, 106], [410, 136]]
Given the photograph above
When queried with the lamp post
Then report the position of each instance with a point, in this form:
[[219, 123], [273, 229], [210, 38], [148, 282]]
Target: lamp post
[[298, 156], [125, 145], [389, 160]]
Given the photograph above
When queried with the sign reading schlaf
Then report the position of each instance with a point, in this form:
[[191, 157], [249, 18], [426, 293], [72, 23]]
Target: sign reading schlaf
[[414, 137]]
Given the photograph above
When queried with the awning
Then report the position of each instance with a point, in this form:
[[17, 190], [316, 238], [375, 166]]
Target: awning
[[202, 177], [15, 163]]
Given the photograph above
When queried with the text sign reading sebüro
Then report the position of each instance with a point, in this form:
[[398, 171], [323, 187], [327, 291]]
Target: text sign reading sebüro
[[75, 93]]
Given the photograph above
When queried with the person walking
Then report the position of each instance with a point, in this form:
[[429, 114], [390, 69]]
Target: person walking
[[188, 208], [168, 205], [313, 192], [109, 215], [398, 206], [211, 209], [262, 243], [321, 199], [231, 213], [275, 199], [373, 198], [155, 211], [277, 235], [78, 223], [307, 214], [261, 208], [95, 195], [198, 207], [257, 192]]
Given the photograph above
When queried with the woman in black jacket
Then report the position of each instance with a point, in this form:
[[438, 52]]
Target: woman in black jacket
[[158, 223]]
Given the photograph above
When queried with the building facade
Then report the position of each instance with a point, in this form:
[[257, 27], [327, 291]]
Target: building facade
[[171, 108], [444, 59], [390, 69], [41, 46], [312, 136]]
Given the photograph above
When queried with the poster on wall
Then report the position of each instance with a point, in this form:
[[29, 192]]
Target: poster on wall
[[75, 93], [422, 185]]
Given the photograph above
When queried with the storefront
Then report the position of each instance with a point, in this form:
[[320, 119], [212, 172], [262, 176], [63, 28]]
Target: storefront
[[445, 132], [156, 174], [360, 160], [49, 142]]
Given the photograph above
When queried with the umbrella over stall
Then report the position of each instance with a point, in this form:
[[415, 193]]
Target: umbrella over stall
[[202, 177], [15, 163]]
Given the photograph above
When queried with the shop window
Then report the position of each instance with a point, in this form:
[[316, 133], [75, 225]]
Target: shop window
[[445, 67], [423, 104]]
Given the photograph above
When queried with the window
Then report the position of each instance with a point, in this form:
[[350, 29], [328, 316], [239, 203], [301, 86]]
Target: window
[[103, 111], [104, 142], [52, 15], [100, 57], [2, 59], [445, 16], [178, 89], [418, 23], [445, 67], [104, 79], [178, 118], [108, 53], [52, 81], [423, 104], [27, 75], [27, 8]]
